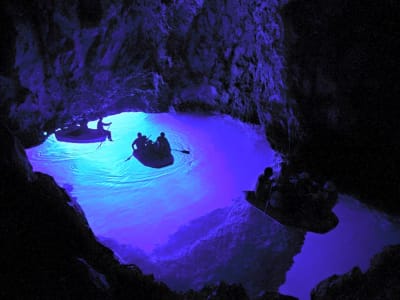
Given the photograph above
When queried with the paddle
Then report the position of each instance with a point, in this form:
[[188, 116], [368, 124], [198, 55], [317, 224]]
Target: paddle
[[129, 157], [183, 151], [104, 140], [100, 145]]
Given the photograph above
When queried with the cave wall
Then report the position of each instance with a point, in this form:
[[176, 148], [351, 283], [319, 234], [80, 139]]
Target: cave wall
[[90, 57], [67, 59], [320, 76], [343, 72], [232, 59], [48, 250]]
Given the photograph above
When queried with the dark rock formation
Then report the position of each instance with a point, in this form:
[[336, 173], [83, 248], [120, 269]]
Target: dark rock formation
[[380, 281], [217, 292], [232, 60], [323, 83], [67, 59], [48, 250], [275, 296], [343, 70], [86, 57]]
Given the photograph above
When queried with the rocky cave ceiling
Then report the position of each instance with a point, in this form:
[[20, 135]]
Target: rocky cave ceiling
[[320, 77]]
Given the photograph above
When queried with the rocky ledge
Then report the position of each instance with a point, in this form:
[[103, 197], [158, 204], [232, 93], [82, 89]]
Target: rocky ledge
[[48, 250], [380, 281]]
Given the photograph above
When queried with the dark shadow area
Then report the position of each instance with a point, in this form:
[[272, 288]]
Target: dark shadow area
[[343, 72]]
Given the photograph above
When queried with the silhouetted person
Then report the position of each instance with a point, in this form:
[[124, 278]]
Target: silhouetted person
[[140, 142], [100, 127], [163, 146], [264, 185], [84, 124]]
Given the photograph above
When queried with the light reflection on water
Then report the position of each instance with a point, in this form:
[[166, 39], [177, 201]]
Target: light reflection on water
[[141, 206], [360, 234]]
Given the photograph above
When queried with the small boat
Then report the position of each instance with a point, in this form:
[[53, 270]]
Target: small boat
[[152, 158], [77, 134], [296, 218]]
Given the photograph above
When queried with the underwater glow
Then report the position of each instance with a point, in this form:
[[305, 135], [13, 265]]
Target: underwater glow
[[141, 206], [188, 223], [361, 233]]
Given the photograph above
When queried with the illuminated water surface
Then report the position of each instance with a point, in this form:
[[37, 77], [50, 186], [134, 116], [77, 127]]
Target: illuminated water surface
[[361, 233], [142, 206], [136, 208]]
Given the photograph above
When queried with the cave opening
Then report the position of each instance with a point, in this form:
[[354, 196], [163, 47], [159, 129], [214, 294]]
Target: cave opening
[[317, 76]]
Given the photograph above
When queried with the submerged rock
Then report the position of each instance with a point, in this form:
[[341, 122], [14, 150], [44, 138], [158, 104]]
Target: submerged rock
[[236, 244]]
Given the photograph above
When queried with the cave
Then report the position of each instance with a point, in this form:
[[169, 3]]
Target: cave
[[306, 87]]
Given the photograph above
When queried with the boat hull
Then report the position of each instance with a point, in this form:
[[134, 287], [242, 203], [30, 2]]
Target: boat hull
[[80, 135], [153, 159]]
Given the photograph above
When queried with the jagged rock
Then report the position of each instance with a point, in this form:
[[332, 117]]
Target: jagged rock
[[295, 67], [221, 291], [275, 296], [380, 281], [13, 159], [48, 250]]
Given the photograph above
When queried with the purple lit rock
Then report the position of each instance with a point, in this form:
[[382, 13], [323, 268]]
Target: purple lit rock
[[48, 250], [380, 281]]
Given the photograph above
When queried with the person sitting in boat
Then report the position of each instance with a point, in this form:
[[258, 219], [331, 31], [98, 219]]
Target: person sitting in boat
[[264, 185], [83, 124], [140, 142], [162, 145], [100, 127]]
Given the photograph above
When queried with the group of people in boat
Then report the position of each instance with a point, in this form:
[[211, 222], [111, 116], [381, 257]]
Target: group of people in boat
[[161, 146], [292, 190]]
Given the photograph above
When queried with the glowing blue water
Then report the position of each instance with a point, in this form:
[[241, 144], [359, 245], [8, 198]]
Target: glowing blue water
[[134, 205], [361, 233], [141, 206]]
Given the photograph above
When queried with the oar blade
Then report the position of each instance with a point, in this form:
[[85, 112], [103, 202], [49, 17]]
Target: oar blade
[[128, 158], [182, 151]]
